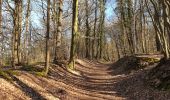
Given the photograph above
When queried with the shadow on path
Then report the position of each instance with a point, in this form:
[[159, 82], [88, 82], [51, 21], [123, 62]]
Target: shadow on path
[[33, 94]]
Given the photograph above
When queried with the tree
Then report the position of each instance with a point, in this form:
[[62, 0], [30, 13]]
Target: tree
[[17, 21], [19, 30], [74, 34], [1, 18], [1, 33], [101, 29], [161, 24], [94, 30], [47, 57], [87, 39], [26, 40], [59, 31], [129, 25]]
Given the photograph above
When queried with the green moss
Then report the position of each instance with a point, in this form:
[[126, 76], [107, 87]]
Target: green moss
[[168, 87], [150, 60], [12, 72], [42, 74], [164, 86], [31, 68], [71, 65], [34, 69], [5, 75], [8, 73]]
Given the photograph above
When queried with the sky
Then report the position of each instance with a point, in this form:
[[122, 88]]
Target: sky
[[110, 5]]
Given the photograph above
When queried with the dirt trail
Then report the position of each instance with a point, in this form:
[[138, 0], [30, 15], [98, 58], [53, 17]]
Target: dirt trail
[[99, 82], [95, 82]]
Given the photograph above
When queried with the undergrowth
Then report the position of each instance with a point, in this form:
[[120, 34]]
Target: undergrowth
[[34, 69], [6, 74]]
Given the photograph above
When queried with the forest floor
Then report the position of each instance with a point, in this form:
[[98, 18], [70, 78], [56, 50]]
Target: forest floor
[[92, 81]]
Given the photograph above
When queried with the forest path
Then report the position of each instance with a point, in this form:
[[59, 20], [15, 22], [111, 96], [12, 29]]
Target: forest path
[[96, 81]]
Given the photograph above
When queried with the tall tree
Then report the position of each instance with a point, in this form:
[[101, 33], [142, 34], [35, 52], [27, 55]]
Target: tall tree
[[26, 40], [59, 31], [19, 30], [87, 39], [17, 21], [1, 33], [101, 28], [94, 30], [129, 25], [74, 34], [128, 28], [160, 23], [1, 18], [47, 52]]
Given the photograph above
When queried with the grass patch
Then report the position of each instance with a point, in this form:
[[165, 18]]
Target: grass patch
[[42, 74], [12, 72], [6, 74], [71, 65], [39, 71], [31, 68], [164, 86]]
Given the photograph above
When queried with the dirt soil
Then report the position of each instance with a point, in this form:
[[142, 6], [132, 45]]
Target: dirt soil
[[95, 81], [159, 77]]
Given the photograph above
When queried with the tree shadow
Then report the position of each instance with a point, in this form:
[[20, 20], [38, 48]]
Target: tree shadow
[[125, 85], [135, 87], [33, 94], [103, 87]]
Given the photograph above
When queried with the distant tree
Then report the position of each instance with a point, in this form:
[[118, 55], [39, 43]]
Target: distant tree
[[87, 39], [94, 30]]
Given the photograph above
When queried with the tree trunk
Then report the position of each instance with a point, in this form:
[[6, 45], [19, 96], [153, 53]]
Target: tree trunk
[[16, 34], [101, 28], [1, 18], [87, 39], [74, 34], [1, 34], [19, 31], [47, 58], [27, 32], [94, 33], [58, 53], [160, 24]]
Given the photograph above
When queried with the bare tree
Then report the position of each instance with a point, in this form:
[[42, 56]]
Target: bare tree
[[26, 40], [47, 57], [74, 34], [59, 31]]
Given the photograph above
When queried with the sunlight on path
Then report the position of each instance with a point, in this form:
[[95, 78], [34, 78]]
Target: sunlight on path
[[28, 81], [8, 90]]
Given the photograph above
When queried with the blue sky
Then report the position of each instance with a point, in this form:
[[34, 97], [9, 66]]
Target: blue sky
[[110, 5]]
